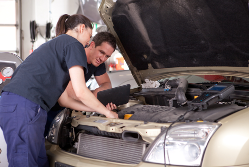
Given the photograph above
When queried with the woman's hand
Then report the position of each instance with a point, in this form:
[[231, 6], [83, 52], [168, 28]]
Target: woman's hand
[[112, 114]]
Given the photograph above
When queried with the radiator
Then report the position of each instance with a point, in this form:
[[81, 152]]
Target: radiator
[[110, 149]]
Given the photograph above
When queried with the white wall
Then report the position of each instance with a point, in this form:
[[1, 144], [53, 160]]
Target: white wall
[[28, 10], [39, 10]]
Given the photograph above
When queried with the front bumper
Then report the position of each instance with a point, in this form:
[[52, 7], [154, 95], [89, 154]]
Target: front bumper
[[65, 159], [55, 154]]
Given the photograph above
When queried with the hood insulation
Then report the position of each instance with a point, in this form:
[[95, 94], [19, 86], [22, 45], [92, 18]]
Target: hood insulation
[[183, 33]]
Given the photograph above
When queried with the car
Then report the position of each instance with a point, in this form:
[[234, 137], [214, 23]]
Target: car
[[190, 60]]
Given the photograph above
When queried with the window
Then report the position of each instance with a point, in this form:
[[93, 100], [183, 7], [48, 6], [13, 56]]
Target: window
[[10, 26]]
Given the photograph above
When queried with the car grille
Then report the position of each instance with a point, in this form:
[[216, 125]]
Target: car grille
[[110, 149]]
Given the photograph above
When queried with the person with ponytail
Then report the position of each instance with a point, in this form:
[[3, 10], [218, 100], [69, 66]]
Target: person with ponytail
[[39, 82]]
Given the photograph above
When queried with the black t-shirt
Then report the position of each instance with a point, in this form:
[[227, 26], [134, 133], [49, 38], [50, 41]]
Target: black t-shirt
[[96, 71], [44, 75]]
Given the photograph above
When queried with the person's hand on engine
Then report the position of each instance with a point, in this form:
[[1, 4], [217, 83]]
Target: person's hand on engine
[[112, 114], [111, 106]]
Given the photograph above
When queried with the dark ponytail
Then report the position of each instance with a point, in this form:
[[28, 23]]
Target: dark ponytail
[[67, 22]]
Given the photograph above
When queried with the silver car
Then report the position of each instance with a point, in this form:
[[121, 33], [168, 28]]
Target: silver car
[[190, 59]]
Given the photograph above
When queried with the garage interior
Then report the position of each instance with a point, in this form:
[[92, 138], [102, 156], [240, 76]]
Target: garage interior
[[169, 96], [27, 24]]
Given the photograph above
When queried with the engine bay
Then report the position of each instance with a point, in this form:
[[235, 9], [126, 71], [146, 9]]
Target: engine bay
[[152, 110], [162, 105]]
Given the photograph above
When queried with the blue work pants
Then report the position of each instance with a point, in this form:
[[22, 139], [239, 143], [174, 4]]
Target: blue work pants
[[23, 123]]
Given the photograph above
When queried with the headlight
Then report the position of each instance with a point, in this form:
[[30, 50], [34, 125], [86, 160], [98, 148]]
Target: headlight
[[55, 127], [185, 144]]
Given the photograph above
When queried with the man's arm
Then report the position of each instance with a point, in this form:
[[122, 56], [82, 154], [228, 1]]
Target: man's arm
[[104, 83]]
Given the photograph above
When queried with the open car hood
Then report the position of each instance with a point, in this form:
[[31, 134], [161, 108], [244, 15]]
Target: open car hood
[[172, 37]]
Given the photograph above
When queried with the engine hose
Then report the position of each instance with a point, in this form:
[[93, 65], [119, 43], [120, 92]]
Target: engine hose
[[182, 85]]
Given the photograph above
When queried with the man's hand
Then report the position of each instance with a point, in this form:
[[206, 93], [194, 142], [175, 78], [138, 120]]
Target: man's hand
[[111, 106]]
